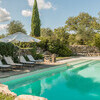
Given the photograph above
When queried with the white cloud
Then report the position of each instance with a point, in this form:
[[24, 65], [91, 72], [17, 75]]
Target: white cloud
[[26, 13], [4, 15], [41, 4], [3, 27]]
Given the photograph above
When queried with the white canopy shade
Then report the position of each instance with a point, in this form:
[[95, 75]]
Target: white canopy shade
[[19, 37]]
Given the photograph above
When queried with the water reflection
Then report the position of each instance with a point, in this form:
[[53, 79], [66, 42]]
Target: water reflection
[[82, 84], [66, 83], [38, 88]]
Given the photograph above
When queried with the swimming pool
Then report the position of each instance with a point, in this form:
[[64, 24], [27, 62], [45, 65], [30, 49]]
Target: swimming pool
[[82, 83]]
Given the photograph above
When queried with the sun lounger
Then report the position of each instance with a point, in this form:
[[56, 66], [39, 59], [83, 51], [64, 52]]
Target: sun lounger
[[4, 67], [10, 62], [22, 60], [30, 57]]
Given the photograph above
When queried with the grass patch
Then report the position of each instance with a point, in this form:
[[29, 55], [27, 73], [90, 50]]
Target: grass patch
[[4, 97]]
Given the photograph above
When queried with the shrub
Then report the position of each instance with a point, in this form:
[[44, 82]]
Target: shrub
[[4, 97], [61, 49], [64, 52], [55, 46], [34, 54], [43, 44], [8, 49], [39, 56]]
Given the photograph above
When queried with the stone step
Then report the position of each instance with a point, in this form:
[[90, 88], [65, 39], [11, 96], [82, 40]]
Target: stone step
[[80, 65], [74, 63]]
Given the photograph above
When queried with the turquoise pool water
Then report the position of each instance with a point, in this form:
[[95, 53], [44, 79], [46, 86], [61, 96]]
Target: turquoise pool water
[[79, 84]]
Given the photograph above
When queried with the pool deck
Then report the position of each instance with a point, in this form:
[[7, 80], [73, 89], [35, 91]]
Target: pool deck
[[43, 66]]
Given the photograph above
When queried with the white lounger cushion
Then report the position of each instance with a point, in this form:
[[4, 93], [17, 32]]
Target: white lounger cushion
[[22, 60], [10, 61], [30, 57], [4, 66]]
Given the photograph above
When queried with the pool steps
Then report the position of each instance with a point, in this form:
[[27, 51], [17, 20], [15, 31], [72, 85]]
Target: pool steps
[[75, 60], [79, 62], [80, 65]]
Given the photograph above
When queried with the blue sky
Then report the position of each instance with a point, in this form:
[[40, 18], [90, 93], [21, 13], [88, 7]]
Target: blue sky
[[53, 13]]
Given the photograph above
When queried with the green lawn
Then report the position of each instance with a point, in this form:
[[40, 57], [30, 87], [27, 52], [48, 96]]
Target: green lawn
[[4, 97]]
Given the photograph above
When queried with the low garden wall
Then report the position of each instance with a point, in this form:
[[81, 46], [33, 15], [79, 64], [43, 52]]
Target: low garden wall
[[84, 50]]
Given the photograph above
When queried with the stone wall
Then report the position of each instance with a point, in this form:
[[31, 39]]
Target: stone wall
[[84, 50]]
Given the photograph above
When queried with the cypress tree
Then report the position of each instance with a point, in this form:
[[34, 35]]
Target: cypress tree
[[35, 21]]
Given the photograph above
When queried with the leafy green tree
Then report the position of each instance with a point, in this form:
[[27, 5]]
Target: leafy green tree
[[46, 32], [35, 21], [97, 40], [71, 39], [84, 35], [84, 25], [73, 23], [55, 42], [62, 35], [15, 26]]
